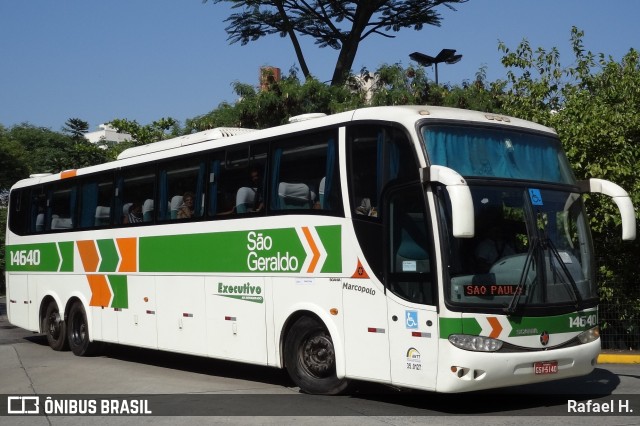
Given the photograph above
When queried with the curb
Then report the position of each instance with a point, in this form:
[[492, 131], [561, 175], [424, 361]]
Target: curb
[[618, 359]]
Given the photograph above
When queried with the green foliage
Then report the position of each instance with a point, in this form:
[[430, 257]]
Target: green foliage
[[394, 85], [38, 150], [14, 160], [388, 85], [158, 130], [258, 109], [26, 149], [76, 128]]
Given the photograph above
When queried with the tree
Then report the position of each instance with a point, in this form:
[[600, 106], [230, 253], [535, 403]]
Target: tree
[[14, 160], [388, 85], [48, 151], [274, 106], [339, 24], [158, 130], [76, 128]]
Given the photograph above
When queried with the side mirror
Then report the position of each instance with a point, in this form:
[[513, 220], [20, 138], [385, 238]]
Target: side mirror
[[622, 200], [461, 202]]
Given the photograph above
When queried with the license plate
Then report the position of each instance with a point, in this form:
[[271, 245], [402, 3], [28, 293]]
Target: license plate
[[545, 367]]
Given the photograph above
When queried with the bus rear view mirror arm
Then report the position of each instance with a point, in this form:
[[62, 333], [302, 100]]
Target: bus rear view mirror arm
[[620, 197], [463, 221]]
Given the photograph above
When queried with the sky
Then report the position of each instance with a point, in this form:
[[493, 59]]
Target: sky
[[143, 60]]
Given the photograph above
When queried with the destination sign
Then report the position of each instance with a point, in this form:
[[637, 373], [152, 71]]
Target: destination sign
[[492, 290]]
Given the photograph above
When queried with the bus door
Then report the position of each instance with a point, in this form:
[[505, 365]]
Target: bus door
[[411, 289]]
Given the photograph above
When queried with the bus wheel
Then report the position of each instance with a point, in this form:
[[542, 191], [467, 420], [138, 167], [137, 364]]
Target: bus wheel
[[311, 360], [54, 327], [78, 332]]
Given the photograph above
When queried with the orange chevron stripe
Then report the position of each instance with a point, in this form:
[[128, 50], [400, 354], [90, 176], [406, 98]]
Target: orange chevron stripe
[[495, 325], [89, 255], [128, 254], [314, 249], [100, 292]]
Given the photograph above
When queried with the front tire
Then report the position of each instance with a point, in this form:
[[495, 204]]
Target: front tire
[[78, 332], [54, 327], [310, 358]]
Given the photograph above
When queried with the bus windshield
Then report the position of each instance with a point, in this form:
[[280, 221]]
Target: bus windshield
[[532, 249], [497, 152]]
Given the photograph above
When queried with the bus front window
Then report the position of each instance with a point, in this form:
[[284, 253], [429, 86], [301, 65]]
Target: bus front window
[[532, 248]]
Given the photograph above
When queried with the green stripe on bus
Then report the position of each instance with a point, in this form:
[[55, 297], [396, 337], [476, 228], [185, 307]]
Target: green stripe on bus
[[120, 291], [43, 257], [66, 251], [450, 326], [272, 250], [108, 254], [575, 321], [525, 326], [332, 242]]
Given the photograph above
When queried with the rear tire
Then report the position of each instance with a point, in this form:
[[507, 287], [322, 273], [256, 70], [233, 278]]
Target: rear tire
[[310, 358], [78, 332], [54, 327]]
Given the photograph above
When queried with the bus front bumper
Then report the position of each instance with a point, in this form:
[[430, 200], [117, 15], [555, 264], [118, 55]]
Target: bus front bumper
[[464, 371]]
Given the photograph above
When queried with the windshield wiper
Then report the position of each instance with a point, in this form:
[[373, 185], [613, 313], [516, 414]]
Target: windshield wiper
[[569, 278], [565, 276], [528, 262]]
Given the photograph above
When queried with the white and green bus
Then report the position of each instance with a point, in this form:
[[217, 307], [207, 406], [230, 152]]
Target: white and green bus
[[422, 247]]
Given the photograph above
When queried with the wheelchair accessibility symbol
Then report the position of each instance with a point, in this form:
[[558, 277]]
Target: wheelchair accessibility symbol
[[411, 319], [536, 197]]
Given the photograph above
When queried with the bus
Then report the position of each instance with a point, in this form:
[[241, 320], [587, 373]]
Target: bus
[[422, 247]]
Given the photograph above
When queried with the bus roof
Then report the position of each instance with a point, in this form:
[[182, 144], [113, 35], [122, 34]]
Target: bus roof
[[407, 115], [207, 135]]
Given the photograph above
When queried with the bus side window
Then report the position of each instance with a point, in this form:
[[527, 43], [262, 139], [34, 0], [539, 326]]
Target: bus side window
[[38, 210], [96, 201], [136, 196], [181, 190], [236, 181], [19, 214], [63, 207], [231, 175], [378, 155], [305, 174], [410, 261], [219, 201]]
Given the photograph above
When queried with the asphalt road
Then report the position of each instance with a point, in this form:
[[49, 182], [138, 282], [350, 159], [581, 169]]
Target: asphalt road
[[181, 389]]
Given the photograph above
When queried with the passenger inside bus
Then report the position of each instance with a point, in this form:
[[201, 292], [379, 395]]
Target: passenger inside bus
[[256, 182], [185, 211], [492, 248], [132, 213], [494, 243]]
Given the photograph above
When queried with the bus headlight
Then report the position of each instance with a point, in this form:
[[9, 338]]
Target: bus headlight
[[589, 335], [475, 343]]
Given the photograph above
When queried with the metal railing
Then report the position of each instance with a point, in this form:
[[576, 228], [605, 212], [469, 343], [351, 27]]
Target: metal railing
[[620, 320]]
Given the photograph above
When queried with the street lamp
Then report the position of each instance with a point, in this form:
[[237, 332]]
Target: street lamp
[[448, 56]]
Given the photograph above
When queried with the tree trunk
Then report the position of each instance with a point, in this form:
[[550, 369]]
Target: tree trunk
[[294, 41], [351, 42]]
